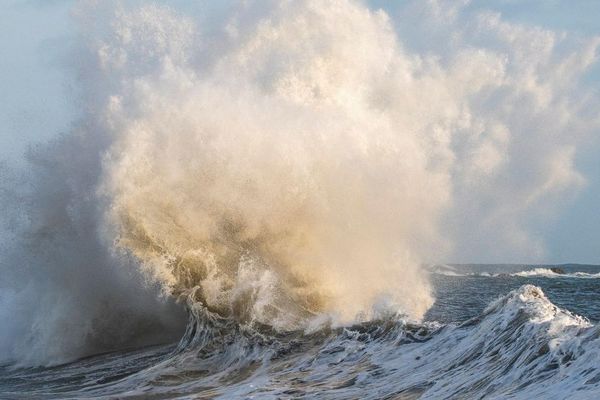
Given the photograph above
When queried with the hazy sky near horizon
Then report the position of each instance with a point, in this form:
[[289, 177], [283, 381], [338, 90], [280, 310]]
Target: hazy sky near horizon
[[38, 100]]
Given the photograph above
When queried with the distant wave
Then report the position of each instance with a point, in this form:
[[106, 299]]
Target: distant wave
[[527, 273], [548, 273]]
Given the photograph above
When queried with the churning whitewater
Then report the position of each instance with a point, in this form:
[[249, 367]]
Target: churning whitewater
[[521, 346], [277, 174]]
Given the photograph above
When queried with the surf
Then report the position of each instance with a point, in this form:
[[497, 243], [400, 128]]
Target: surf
[[522, 345], [282, 171]]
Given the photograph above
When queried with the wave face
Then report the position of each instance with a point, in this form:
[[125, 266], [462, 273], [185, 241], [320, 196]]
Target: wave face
[[522, 346], [284, 165]]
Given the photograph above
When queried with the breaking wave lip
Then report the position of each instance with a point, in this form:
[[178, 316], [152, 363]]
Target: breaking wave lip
[[447, 270], [521, 346]]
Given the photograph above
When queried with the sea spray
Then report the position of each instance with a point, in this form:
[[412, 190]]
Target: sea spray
[[284, 163], [277, 162]]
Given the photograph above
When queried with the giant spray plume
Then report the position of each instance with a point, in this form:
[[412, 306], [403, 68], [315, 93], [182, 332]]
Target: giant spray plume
[[278, 162], [268, 170]]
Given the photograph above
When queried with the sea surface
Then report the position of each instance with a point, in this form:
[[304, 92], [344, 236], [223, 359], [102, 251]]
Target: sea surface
[[495, 331]]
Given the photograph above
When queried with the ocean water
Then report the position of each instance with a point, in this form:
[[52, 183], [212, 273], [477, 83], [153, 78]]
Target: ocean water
[[277, 173], [494, 332]]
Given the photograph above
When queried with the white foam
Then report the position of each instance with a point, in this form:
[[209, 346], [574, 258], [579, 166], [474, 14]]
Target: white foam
[[521, 347]]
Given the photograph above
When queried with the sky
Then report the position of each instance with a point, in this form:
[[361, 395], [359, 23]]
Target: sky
[[38, 100], [574, 236]]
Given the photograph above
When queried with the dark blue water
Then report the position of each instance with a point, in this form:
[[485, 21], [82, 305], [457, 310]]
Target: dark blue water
[[464, 296]]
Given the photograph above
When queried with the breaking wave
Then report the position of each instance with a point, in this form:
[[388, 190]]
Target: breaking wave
[[284, 165], [522, 346]]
